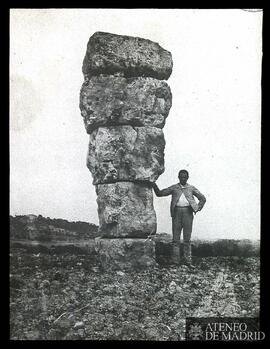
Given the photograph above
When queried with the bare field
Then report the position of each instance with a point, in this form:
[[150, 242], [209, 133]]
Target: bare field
[[68, 296]]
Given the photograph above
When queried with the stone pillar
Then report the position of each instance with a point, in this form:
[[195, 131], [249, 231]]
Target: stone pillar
[[124, 103]]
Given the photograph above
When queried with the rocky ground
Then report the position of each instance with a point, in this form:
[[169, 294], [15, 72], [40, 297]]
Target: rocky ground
[[55, 296]]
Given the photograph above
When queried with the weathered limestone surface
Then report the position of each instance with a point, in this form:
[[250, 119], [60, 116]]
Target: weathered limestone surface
[[125, 209], [124, 105], [126, 153], [132, 56], [125, 253], [114, 100]]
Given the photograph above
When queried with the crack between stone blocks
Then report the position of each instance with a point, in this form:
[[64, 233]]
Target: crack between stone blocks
[[113, 125], [147, 183]]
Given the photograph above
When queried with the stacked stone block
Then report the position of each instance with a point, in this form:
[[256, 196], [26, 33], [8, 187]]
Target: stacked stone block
[[124, 103]]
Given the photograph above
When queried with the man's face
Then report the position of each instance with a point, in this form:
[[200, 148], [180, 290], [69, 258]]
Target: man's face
[[183, 177]]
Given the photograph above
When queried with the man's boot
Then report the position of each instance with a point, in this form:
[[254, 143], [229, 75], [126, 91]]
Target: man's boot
[[176, 253], [187, 259]]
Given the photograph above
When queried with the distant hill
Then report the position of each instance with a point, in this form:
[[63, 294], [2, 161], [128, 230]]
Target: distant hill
[[29, 230], [32, 227], [207, 248]]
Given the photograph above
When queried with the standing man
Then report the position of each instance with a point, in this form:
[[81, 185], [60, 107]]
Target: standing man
[[183, 205]]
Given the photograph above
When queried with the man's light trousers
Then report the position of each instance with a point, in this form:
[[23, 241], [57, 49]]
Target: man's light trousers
[[182, 220]]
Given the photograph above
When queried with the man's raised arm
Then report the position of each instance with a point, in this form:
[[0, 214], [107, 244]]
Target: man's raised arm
[[163, 192]]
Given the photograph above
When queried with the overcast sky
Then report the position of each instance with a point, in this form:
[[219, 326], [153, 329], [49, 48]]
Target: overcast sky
[[213, 128]]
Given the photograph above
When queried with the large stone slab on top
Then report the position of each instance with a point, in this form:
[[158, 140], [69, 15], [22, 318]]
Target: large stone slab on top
[[109, 53], [113, 100], [125, 209], [126, 153]]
